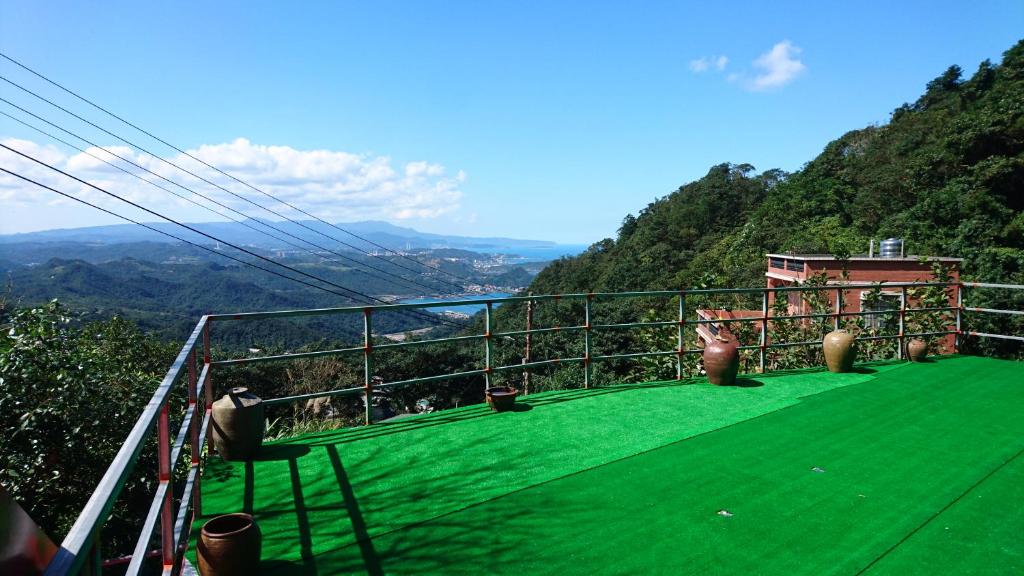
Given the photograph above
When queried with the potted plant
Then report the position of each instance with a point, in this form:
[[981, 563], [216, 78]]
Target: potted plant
[[501, 398]]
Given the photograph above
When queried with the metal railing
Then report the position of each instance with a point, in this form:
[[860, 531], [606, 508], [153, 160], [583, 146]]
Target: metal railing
[[81, 545]]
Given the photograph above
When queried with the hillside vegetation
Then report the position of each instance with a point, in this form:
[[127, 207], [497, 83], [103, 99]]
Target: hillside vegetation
[[946, 173]]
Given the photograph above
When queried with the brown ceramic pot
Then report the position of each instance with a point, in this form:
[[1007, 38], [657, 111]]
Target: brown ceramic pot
[[722, 361], [840, 351], [238, 425], [501, 398], [917, 350], [229, 545]]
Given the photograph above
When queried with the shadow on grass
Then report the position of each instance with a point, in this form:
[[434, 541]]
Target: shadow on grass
[[374, 512], [747, 383]]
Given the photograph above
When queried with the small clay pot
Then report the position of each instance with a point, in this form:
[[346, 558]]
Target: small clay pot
[[840, 350], [722, 361], [917, 350], [229, 545], [238, 425], [501, 398]]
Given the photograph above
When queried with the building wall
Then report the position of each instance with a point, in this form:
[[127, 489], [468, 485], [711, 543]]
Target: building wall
[[859, 272]]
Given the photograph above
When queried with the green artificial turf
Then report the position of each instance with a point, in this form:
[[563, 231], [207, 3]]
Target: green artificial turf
[[630, 479]]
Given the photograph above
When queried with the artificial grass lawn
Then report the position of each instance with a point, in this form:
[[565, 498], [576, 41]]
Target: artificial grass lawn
[[630, 479]]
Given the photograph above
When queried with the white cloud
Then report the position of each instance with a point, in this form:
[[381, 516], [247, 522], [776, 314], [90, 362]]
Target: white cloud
[[777, 67], [705, 63], [334, 185]]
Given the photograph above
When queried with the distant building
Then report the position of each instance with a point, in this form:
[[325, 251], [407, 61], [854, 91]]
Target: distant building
[[891, 265]]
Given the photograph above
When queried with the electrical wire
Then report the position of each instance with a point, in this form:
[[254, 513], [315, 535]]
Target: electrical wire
[[244, 183], [214, 201], [210, 236], [211, 183]]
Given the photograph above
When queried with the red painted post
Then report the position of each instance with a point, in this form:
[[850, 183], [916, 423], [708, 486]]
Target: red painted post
[[207, 359], [196, 422], [166, 509]]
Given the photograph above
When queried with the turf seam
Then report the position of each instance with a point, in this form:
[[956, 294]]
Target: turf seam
[[939, 512]]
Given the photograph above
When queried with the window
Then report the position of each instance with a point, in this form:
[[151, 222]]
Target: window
[[795, 265], [777, 263], [886, 308]]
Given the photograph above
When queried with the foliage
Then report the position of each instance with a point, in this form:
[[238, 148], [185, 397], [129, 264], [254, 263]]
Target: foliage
[[68, 396]]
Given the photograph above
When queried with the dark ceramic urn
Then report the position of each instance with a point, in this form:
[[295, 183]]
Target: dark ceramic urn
[[238, 425], [722, 361], [229, 545], [501, 398], [917, 350], [840, 350]]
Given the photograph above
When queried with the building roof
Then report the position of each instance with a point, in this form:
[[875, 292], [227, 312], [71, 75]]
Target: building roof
[[865, 257], [900, 468]]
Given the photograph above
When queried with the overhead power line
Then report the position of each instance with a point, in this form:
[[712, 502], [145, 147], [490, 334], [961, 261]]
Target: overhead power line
[[214, 201], [43, 77], [356, 293], [168, 234], [214, 184]]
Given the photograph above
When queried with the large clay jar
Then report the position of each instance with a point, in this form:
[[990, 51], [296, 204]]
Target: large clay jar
[[840, 351], [917, 350], [722, 361], [238, 425], [229, 545], [501, 398]]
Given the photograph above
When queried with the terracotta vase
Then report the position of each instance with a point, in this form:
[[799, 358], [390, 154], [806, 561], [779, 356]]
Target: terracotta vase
[[229, 545], [501, 398], [917, 350], [722, 361], [840, 351], [238, 425]]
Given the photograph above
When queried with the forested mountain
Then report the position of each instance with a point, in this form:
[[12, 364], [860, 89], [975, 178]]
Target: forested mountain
[[946, 173], [164, 288]]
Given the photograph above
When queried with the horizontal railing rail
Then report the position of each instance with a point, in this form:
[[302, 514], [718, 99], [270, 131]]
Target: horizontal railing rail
[[81, 545]]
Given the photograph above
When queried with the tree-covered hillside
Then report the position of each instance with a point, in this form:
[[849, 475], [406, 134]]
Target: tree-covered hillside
[[946, 173]]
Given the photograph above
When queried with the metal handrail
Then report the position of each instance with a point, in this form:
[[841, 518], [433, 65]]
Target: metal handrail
[[81, 543]]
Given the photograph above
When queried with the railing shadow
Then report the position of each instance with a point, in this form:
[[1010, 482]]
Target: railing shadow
[[379, 502]]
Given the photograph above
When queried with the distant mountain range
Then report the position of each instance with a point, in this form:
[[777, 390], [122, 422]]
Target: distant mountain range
[[383, 233]]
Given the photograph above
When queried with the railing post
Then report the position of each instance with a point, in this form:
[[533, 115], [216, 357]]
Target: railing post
[[196, 422], [903, 316], [959, 308], [368, 363], [761, 360], [526, 354], [680, 334], [839, 308], [487, 344], [208, 385], [166, 511], [586, 340]]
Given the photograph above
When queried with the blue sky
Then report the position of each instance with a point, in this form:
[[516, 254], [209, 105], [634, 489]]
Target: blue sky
[[527, 119]]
